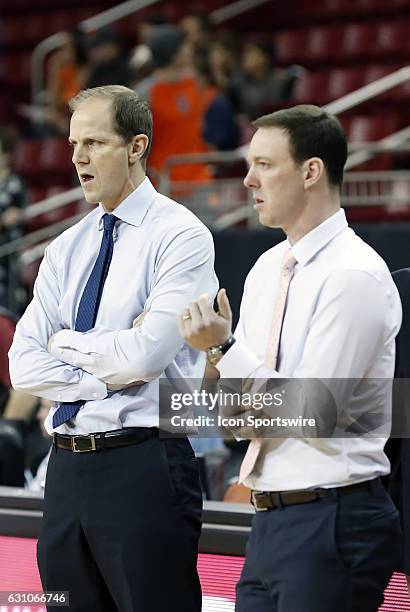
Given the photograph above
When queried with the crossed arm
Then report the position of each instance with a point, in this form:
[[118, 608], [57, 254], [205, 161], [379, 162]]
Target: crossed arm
[[83, 366]]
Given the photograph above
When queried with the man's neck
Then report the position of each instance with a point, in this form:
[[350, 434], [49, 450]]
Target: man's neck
[[314, 215]]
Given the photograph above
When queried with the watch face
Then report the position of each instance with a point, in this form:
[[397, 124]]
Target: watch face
[[214, 354]]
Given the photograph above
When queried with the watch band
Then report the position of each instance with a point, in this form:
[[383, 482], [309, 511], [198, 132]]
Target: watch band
[[227, 345]]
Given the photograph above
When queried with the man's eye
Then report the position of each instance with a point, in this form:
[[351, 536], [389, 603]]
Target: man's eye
[[263, 164]]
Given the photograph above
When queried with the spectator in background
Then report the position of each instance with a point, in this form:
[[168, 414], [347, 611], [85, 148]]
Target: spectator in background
[[68, 72], [220, 130], [141, 62], [258, 87], [223, 59], [12, 202], [108, 66], [197, 29], [177, 104]]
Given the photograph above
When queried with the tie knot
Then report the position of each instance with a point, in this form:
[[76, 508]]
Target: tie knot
[[109, 222], [288, 261]]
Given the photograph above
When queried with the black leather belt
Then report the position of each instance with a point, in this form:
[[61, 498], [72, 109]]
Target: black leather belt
[[269, 500], [103, 440]]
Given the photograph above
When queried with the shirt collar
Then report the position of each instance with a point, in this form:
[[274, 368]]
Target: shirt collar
[[133, 209], [308, 246]]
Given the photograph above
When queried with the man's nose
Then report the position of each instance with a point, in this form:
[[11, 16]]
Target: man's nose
[[250, 181], [79, 155]]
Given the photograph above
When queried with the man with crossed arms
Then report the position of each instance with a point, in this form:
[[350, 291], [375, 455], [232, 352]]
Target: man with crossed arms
[[319, 305]]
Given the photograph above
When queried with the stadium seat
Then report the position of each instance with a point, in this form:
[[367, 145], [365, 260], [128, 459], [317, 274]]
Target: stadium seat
[[343, 81], [358, 40], [290, 45], [55, 158], [311, 88], [16, 69], [392, 39], [368, 128], [36, 194], [364, 129], [26, 158], [11, 33], [322, 45]]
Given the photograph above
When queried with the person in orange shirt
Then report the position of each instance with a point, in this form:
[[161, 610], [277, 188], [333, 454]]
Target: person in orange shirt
[[67, 74], [177, 104]]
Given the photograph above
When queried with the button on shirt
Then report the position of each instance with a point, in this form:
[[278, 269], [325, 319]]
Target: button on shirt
[[343, 313], [163, 258]]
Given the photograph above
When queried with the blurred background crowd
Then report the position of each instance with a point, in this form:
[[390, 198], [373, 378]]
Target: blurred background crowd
[[206, 77]]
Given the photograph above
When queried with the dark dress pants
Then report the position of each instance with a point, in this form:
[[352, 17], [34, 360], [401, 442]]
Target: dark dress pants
[[121, 528], [335, 554]]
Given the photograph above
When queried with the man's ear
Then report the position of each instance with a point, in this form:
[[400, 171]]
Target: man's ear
[[313, 170], [137, 148]]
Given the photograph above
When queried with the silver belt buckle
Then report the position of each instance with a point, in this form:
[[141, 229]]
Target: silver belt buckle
[[75, 449]]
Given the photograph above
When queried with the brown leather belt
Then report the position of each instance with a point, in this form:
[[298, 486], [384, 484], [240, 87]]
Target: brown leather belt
[[104, 440], [269, 500]]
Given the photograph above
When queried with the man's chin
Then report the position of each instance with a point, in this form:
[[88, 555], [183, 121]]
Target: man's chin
[[90, 197], [267, 221]]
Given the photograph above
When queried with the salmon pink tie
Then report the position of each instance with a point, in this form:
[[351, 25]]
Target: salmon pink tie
[[272, 350]]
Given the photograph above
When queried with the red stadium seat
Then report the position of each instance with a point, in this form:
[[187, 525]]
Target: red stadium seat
[[392, 39], [311, 88], [370, 128], [357, 40], [11, 33], [290, 46], [16, 69], [323, 44], [36, 194], [26, 158], [44, 162], [364, 129], [56, 156], [343, 81]]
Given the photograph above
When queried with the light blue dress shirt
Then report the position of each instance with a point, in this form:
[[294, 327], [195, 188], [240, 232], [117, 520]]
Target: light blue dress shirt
[[163, 259]]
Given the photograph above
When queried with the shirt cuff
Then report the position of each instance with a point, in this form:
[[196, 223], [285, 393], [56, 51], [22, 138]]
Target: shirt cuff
[[238, 362], [89, 388]]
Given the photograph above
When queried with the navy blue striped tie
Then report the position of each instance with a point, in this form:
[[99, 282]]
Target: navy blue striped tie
[[88, 307]]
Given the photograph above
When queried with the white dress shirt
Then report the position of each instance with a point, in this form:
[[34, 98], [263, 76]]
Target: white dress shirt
[[343, 313], [163, 258]]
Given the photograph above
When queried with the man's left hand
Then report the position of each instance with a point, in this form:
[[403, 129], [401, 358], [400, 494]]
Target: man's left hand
[[202, 327]]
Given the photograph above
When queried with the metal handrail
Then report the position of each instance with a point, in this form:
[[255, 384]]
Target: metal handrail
[[111, 15], [55, 41], [338, 106], [53, 202], [45, 232], [368, 91], [392, 142], [233, 10]]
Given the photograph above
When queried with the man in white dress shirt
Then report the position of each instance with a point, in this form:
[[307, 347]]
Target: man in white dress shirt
[[122, 511], [325, 536]]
